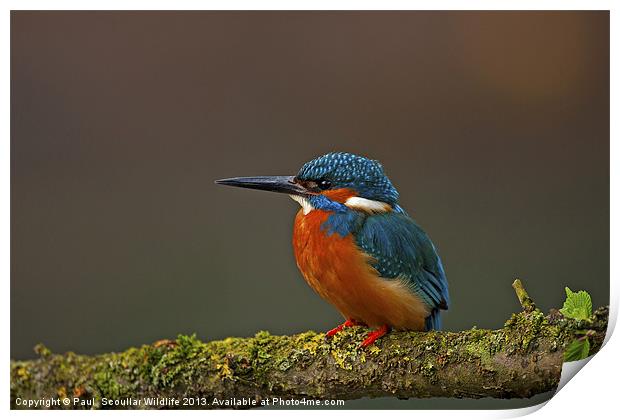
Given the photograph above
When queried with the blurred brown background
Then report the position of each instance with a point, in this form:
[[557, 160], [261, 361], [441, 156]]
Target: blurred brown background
[[493, 126]]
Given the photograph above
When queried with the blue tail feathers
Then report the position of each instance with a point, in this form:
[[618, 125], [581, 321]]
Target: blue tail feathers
[[433, 321]]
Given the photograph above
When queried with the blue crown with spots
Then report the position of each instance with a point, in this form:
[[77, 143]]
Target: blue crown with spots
[[345, 170]]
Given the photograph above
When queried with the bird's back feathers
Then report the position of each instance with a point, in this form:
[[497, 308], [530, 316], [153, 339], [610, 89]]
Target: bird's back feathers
[[402, 250]]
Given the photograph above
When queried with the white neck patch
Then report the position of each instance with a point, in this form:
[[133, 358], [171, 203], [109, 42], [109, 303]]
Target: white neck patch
[[303, 202], [367, 206]]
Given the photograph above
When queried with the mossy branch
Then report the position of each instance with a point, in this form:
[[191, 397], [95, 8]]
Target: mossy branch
[[520, 360]]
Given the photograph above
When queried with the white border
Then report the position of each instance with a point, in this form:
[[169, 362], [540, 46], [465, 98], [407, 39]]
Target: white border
[[591, 394]]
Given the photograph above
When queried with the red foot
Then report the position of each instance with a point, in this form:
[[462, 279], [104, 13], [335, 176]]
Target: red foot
[[347, 323], [374, 335]]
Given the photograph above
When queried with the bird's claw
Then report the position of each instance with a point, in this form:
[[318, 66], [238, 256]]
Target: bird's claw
[[334, 331], [370, 338], [374, 336]]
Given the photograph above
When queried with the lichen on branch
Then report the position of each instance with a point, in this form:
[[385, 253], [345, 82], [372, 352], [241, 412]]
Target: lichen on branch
[[520, 360]]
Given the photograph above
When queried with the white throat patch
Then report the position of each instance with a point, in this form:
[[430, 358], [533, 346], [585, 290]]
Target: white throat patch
[[367, 206], [303, 202]]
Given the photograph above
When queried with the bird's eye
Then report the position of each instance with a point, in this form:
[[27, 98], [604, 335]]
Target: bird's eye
[[324, 184]]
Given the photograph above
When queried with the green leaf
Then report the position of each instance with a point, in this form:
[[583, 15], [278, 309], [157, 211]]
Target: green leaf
[[577, 350], [578, 305]]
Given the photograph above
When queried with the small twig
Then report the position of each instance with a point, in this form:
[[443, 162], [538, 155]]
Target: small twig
[[524, 299]]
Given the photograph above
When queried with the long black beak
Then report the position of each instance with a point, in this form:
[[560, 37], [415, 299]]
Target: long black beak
[[280, 184]]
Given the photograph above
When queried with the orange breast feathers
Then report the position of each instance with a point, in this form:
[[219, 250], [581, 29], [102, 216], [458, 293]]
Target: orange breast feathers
[[341, 274]]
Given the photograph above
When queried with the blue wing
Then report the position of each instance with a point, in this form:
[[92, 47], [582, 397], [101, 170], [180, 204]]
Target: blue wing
[[402, 249]]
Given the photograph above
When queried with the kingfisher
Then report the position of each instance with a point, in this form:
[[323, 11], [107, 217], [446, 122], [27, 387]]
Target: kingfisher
[[358, 248]]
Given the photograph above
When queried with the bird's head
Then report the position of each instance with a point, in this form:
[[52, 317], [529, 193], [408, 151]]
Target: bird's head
[[335, 181]]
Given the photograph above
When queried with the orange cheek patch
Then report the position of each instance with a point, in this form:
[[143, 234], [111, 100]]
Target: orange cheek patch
[[340, 195]]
